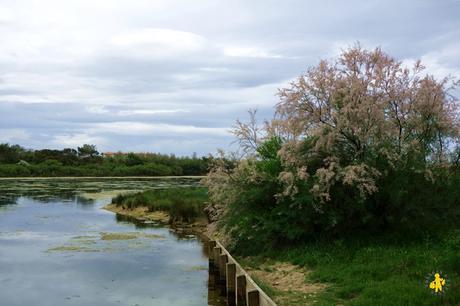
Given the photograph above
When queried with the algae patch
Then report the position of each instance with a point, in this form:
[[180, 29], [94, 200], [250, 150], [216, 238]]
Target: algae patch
[[106, 194], [71, 248], [117, 236], [104, 242], [85, 239], [152, 236], [196, 268], [129, 236]]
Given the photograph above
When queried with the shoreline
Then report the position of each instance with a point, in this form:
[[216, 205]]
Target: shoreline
[[277, 278], [141, 214]]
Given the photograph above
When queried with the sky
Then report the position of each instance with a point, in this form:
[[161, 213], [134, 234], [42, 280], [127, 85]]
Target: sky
[[173, 76]]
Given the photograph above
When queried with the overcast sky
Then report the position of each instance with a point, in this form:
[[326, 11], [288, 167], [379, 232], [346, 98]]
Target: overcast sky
[[173, 76]]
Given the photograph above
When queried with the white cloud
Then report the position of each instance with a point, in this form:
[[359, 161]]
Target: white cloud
[[13, 135], [75, 140], [96, 109], [439, 63], [151, 111], [249, 52], [139, 128], [6, 15], [159, 42]]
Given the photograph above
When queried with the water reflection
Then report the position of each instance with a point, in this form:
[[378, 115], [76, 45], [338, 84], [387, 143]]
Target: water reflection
[[8, 199], [80, 190], [55, 254], [216, 294]]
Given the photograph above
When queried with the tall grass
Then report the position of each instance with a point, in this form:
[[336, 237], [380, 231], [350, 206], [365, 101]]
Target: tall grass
[[182, 204]]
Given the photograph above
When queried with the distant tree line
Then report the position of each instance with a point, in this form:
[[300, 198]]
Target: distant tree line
[[87, 161]]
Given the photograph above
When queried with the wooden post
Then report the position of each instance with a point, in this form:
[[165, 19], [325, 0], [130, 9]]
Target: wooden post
[[223, 273], [241, 290], [231, 284], [253, 298], [215, 255], [223, 266], [211, 270], [212, 263], [211, 246]]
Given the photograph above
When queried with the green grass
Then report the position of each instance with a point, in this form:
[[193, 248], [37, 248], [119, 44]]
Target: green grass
[[376, 272], [182, 204]]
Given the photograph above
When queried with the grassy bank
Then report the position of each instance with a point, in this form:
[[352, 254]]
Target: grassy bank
[[380, 271], [181, 204]]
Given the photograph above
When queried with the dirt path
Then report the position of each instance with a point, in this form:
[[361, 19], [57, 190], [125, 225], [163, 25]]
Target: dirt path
[[289, 283]]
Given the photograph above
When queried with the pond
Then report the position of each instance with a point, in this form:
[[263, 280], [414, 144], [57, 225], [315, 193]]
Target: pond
[[59, 247]]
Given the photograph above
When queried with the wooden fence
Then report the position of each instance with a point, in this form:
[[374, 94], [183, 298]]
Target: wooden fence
[[234, 282]]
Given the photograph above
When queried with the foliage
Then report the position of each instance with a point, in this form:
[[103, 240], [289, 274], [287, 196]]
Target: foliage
[[182, 204], [10, 154], [379, 270], [87, 150], [86, 161], [359, 144]]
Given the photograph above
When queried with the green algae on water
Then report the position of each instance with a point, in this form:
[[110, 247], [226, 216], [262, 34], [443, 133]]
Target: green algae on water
[[118, 236], [72, 248], [129, 236]]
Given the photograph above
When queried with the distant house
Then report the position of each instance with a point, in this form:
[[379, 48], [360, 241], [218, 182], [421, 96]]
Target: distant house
[[112, 154]]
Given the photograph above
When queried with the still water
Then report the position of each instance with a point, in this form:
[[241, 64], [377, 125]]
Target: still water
[[58, 247]]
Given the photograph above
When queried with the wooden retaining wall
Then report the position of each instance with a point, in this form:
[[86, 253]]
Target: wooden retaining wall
[[233, 281]]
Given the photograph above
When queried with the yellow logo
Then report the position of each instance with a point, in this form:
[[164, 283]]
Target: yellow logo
[[437, 283]]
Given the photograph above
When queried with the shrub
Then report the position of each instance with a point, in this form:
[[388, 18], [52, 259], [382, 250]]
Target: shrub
[[361, 144]]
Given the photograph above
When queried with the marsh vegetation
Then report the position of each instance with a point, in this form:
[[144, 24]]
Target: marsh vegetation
[[16, 161], [355, 179], [181, 204]]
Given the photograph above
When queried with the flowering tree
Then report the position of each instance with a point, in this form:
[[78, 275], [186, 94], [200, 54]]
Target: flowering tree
[[345, 133], [367, 106]]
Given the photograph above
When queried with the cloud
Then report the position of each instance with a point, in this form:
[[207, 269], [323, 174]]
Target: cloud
[[152, 42], [75, 140], [13, 135], [172, 77], [151, 111], [249, 52], [443, 62], [139, 128]]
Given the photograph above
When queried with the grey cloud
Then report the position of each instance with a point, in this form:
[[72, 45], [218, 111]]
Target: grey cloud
[[86, 64]]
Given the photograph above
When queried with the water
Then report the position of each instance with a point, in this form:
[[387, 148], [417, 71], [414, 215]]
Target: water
[[57, 248]]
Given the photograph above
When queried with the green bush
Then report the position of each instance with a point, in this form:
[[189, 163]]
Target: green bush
[[359, 145], [87, 162], [258, 217]]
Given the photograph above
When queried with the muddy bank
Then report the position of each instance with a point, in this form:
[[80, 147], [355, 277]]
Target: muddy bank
[[142, 214], [139, 213], [285, 283]]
